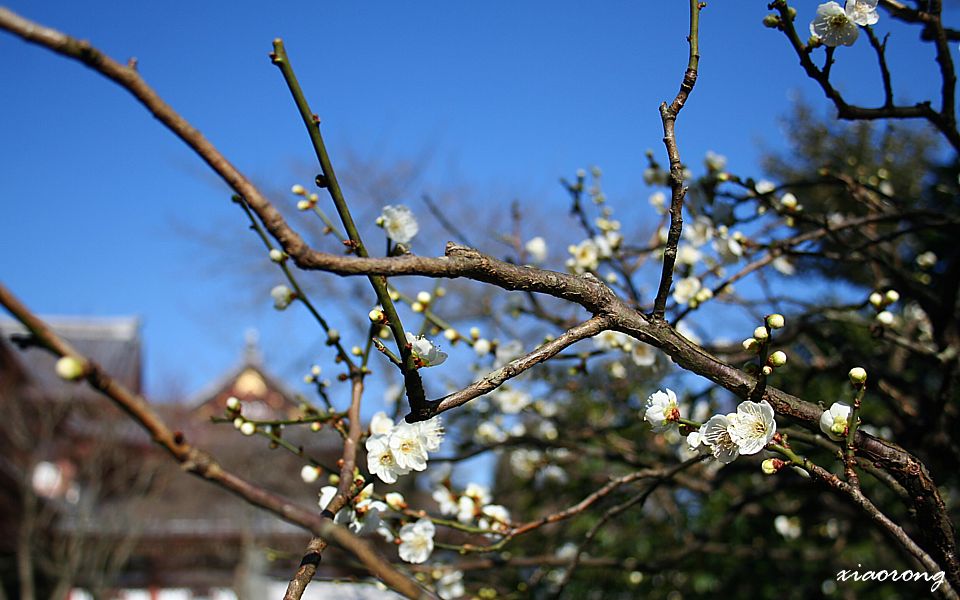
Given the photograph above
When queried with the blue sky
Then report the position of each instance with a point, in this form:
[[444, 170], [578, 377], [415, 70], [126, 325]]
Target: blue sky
[[504, 97]]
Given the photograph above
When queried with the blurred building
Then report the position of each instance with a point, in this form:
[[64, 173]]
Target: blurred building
[[87, 501]]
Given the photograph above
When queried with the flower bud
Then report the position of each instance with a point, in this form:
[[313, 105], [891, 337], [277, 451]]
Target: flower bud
[[356, 351], [858, 375], [238, 422], [277, 256], [309, 473], [885, 317], [417, 307], [69, 368], [315, 370], [788, 201], [376, 315], [766, 370], [233, 403], [395, 501], [451, 334], [475, 333], [761, 334], [876, 299], [248, 428], [304, 205], [777, 359], [891, 296], [333, 336], [316, 426], [333, 479], [772, 465], [775, 321], [751, 345], [299, 190], [771, 21], [424, 297]]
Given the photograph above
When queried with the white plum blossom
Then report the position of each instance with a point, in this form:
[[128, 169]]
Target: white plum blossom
[[586, 257], [764, 186], [466, 509], [380, 424], [659, 202], [714, 161], [552, 474], [537, 249], [862, 12], [686, 289], [362, 516], [380, 459], [327, 493], [407, 447], [643, 355], [753, 427], [716, 435], [482, 347], [788, 527], [699, 232], [688, 255], [834, 421], [661, 410], [446, 499], [617, 370], [394, 450], [926, 260], [696, 442], [450, 585], [489, 432], [610, 339], [425, 351], [431, 433], [399, 223], [495, 517], [835, 26], [282, 296], [729, 248], [416, 541], [524, 462], [783, 265], [478, 492], [512, 401]]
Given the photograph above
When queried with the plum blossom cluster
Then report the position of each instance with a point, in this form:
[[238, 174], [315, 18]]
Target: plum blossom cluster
[[760, 344], [881, 301], [362, 515], [837, 26], [396, 449], [744, 432], [473, 507]]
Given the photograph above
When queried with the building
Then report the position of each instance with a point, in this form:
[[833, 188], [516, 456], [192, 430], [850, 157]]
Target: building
[[89, 502]]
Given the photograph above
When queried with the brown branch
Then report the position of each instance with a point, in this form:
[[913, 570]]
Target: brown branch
[[203, 465], [515, 367], [668, 115], [345, 491]]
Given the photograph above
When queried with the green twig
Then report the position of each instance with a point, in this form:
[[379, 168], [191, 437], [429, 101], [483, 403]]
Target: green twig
[[419, 406]]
